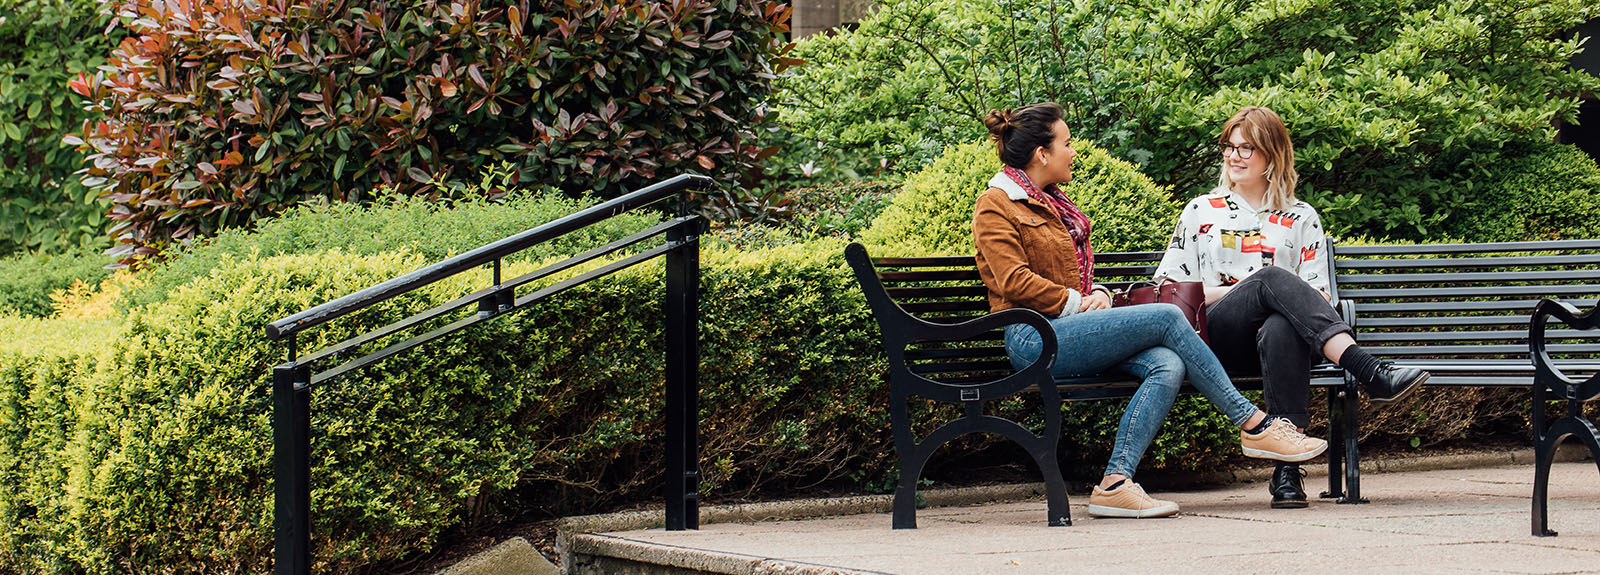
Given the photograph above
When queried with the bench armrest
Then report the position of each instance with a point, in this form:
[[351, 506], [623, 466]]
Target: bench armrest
[[1545, 371]]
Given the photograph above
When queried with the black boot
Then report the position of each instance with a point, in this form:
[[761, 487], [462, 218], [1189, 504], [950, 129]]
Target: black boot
[[1288, 487], [1392, 383]]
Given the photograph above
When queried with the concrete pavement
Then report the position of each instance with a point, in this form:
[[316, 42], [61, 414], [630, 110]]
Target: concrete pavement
[[1432, 521]]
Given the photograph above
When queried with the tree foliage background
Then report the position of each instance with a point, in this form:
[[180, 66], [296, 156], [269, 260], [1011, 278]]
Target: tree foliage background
[[1399, 108]]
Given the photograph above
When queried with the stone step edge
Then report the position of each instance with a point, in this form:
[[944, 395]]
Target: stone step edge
[[582, 534]]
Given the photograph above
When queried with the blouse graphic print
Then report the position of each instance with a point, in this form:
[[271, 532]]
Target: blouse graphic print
[[1221, 233]]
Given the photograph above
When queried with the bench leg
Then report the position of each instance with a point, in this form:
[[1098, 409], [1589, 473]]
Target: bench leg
[[1544, 453], [1352, 457], [1336, 441]]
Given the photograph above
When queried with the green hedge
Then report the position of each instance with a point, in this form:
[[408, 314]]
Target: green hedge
[[28, 279], [1549, 193], [394, 223], [141, 442], [934, 212]]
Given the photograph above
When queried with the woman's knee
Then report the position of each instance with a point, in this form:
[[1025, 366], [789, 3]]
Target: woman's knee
[[1162, 366], [1275, 274]]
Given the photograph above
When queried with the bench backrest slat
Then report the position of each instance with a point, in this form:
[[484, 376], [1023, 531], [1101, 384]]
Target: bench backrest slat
[[1466, 302]]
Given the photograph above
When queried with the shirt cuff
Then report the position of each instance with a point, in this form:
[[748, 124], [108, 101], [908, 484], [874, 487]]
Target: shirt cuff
[[1074, 302]]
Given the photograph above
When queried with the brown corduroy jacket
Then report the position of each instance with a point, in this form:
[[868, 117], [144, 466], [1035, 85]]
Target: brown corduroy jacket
[[1025, 254]]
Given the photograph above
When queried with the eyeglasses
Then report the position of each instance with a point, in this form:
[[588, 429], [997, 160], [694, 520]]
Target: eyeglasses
[[1244, 152]]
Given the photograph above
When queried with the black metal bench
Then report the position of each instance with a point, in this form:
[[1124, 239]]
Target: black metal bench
[[1551, 378], [1458, 310]]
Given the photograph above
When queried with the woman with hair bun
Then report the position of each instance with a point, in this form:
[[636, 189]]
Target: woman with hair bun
[[1260, 253], [1034, 251]]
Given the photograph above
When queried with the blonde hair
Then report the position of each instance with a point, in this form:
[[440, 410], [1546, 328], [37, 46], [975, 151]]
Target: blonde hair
[[1262, 128]]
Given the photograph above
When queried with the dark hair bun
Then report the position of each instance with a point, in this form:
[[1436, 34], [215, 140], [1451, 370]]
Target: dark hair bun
[[1017, 133], [998, 122]]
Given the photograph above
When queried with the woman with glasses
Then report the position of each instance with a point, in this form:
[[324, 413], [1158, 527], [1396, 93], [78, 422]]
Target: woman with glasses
[[1034, 252], [1260, 253]]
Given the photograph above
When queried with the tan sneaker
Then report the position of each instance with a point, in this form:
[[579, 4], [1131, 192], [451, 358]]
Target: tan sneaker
[[1129, 500], [1281, 441]]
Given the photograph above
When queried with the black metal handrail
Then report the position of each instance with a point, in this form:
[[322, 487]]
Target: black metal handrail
[[293, 381]]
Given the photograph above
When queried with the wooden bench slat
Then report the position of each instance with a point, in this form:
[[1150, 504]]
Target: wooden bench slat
[[969, 274], [1491, 292], [957, 352], [937, 292], [1470, 277], [937, 306], [1444, 321], [1487, 247], [1362, 308], [1463, 336], [925, 262], [1475, 350], [1341, 263]]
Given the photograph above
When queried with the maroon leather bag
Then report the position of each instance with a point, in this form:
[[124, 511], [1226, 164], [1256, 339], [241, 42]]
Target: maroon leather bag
[[1188, 296]]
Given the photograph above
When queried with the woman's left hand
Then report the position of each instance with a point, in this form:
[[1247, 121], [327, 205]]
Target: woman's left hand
[[1096, 300]]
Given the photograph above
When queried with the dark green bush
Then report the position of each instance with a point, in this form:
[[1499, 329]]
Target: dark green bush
[[1550, 193], [212, 115], [43, 43], [394, 223], [28, 279], [1394, 104]]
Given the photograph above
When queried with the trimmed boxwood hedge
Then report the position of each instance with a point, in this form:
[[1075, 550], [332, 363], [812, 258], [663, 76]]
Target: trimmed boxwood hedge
[[149, 450]]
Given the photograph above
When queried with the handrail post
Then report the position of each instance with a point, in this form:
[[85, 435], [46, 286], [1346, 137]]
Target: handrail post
[[291, 452], [683, 361]]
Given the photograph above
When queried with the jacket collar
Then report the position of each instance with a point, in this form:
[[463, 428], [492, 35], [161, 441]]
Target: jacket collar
[[1012, 189]]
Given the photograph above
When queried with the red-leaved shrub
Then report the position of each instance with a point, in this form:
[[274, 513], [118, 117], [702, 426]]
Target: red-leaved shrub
[[213, 113]]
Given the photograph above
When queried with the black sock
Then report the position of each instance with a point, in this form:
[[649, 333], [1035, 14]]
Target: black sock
[[1260, 428], [1283, 464], [1114, 486], [1359, 363]]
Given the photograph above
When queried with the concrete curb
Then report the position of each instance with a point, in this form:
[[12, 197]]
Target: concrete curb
[[581, 535]]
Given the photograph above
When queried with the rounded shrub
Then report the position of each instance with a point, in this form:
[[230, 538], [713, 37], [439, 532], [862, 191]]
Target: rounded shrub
[[210, 115], [27, 280], [1550, 193], [933, 212]]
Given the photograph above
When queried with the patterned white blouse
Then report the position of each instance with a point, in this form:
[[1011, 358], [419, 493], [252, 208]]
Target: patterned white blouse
[[1220, 240]]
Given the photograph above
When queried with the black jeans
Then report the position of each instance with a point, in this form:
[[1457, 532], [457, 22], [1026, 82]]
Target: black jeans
[[1274, 324]]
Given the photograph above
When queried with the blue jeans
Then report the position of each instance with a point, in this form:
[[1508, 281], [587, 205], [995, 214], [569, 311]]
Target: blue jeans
[[1151, 342]]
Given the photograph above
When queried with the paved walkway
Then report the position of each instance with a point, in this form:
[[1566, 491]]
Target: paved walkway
[[1445, 521]]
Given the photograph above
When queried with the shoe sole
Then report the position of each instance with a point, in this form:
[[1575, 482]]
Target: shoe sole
[[1404, 392], [1103, 511], [1290, 504], [1292, 458]]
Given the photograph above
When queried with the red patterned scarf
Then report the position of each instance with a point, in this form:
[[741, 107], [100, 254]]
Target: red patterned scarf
[[1078, 224]]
